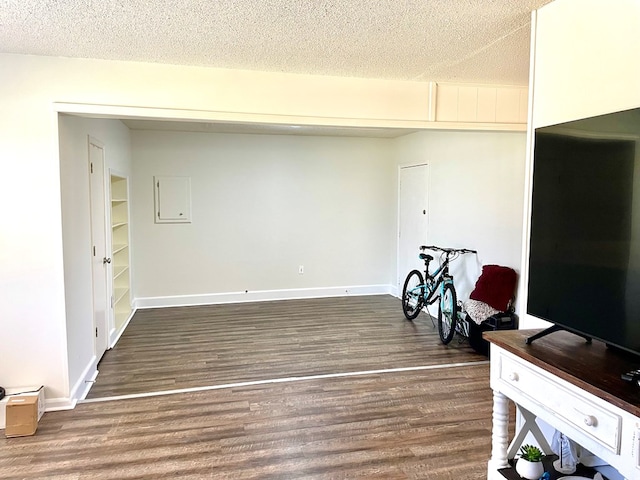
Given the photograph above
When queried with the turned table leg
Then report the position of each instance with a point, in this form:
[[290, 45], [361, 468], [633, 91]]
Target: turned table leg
[[500, 434]]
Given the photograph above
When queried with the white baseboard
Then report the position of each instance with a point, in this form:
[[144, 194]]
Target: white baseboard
[[260, 296], [88, 384], [79, 390], [61, 403], [84, 383]]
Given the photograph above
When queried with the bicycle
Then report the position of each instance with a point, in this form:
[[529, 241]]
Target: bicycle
[[419, 290]]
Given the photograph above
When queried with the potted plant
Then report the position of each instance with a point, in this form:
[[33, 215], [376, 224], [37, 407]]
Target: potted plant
[[529, 465]]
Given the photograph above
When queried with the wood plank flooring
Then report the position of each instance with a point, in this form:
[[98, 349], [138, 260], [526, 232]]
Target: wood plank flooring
[[422, 424], [185, 347], [417, 425]]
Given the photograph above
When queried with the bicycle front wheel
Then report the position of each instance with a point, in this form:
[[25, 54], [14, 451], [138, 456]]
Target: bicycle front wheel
[[447, 313], [412, 295]]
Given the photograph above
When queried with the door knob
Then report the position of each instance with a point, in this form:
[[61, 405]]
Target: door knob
[[106, 260]]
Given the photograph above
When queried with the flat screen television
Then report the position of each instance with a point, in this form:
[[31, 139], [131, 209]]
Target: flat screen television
[[584, 263]]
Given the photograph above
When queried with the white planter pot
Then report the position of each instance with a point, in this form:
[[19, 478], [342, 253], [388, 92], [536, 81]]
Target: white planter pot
[[529, 470]]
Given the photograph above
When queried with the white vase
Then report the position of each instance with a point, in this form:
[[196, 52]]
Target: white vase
[[529, 470]]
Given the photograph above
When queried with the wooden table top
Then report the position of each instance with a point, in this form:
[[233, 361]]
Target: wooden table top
[[591, 367]]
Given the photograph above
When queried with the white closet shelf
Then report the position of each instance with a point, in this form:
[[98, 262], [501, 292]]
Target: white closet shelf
[[119, 247], [119, 294], [119, 270]]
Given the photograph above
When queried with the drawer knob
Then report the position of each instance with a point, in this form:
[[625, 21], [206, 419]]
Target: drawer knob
[[590, 421], [513, 376]]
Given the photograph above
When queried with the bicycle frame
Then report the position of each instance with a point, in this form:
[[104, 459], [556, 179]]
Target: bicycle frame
[[434, 283]]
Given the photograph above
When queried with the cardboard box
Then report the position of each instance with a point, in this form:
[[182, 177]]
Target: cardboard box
[[32, 392], [22, 416]]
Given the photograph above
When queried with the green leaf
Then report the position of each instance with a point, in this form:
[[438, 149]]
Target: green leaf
[[531, 453]]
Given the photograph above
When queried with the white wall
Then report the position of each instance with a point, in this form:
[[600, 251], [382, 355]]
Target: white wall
[[261, 206], [76, 228], [584, 63], [585, 59], [32, 297], [476, 185]]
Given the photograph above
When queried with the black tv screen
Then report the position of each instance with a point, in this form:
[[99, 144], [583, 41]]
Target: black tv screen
[[584, 263]]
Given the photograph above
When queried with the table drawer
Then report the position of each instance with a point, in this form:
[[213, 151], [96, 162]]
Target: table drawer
[[572, 405]]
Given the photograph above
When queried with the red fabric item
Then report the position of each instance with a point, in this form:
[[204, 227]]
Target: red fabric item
[[496, 286]]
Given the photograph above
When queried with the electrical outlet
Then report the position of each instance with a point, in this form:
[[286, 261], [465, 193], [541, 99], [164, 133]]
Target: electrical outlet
[[301, 269]]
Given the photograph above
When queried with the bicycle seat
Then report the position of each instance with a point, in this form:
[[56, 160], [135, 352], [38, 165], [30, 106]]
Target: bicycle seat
[[425, 257]]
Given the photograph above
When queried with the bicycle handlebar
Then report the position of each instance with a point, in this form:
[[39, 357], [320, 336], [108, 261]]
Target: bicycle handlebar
[[447, 250]]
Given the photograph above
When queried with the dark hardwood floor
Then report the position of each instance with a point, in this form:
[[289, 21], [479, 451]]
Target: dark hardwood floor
[[185, 347], [421, 424], [417, 425]]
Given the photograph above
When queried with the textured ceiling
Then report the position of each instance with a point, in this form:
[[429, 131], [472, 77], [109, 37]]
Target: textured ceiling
[[481, 41]]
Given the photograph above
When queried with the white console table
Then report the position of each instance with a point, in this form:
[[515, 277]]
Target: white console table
[[573, 386]]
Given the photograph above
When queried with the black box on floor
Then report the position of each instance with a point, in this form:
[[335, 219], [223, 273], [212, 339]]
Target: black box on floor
[[499, 321]]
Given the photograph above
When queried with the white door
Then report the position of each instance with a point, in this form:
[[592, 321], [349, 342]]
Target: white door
[[100, 258], [413, 219]]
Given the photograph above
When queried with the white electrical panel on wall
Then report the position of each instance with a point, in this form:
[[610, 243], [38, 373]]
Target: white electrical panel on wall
[[172, 199]]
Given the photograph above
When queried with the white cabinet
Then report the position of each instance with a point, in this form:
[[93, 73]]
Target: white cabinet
[[121, 278], [582, 413], [574, 387]]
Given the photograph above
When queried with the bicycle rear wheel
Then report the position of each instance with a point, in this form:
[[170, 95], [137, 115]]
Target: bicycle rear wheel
[[447, 313], [412, 295]]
